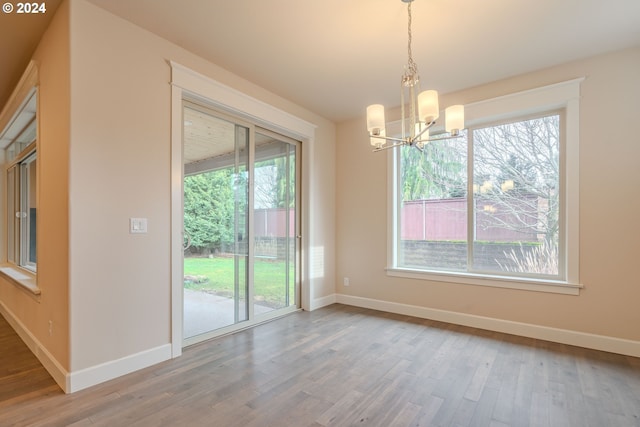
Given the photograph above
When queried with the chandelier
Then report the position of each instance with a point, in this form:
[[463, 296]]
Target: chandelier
[[423, 111]]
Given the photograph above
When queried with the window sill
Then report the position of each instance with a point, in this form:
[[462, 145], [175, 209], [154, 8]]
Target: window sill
[[20, 277], [537, 285]]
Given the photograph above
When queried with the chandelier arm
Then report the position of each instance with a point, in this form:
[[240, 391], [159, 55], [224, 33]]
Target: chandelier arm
[[426, 128], [386, 147], [389, 138], [441, 138], [398, 144]]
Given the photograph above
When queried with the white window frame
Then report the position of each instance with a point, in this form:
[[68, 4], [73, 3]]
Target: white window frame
[[19, 112], [24, 185], [18, 208], [563, 96]]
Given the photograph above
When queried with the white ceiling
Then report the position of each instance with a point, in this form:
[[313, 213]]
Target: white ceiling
[[334, 57], [337, 56], [19, 37]]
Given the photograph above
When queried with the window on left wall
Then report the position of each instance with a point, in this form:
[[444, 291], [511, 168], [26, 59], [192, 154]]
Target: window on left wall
[[19, 140]]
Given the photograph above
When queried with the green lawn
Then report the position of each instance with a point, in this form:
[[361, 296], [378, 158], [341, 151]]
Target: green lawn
[[216, 275]]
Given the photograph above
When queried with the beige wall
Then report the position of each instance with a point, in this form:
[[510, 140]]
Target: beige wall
[[609, 229], [120, 168], [52, 58]]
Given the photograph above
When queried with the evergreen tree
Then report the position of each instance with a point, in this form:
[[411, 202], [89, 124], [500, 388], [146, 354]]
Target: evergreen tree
[[208, 209]]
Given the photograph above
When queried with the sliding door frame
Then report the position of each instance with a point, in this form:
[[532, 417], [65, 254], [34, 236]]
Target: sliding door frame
[[297, 232], [189, 84], [203, 167]]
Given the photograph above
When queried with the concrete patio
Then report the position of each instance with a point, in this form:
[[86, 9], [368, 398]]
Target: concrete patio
[[204, 312]]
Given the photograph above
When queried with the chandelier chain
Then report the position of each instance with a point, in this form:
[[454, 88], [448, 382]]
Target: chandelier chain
[[411, 75]]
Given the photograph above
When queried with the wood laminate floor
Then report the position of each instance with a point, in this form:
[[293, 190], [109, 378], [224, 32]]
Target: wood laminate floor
[[341, 366]]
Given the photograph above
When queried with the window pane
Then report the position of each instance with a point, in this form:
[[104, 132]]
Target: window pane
[[28, 212], [31, 212], [11, 215], [515, 186], [433, 211]]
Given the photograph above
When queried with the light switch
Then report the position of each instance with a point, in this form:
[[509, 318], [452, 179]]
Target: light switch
[[137, 225]]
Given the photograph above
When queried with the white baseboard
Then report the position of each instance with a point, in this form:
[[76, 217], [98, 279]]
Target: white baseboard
[[75, 381], [50, 363], [322, 302], [564, 336], [115, 368]]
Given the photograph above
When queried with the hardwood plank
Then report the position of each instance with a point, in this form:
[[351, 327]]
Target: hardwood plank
[[405, 416], [335, 412], [22, 377], [485, 408], [340, 366], [430, 408]]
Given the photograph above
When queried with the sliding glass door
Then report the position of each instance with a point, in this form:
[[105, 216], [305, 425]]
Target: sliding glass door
[[275, 219], [240, 223]]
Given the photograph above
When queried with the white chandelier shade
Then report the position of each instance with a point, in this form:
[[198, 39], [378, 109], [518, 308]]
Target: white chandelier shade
[[428, 110], [375, 119], [454, 119]]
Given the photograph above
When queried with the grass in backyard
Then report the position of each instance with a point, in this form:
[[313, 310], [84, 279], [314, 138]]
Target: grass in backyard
[[216, 276]]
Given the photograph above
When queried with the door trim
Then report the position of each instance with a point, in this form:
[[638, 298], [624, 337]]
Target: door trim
[[186, 83]]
